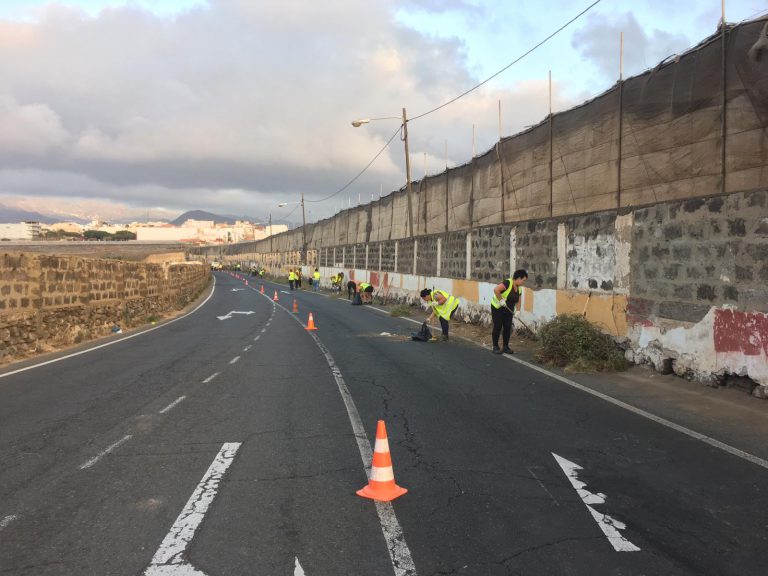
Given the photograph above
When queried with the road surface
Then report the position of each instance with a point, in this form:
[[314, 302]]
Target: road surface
[[232, 441]]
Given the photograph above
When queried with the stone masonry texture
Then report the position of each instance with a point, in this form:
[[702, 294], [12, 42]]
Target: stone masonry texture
[[537, 252], [47, 302], [692, 254], [426, 258], [490, 253]]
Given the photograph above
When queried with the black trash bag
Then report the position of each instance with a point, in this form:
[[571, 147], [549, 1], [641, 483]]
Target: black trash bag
[[423, 335], [356, 300]]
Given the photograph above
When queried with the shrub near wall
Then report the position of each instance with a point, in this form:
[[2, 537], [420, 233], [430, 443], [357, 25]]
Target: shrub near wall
[[48, 302]]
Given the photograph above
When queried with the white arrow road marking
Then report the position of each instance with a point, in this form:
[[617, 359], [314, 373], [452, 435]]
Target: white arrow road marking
[[608, 525], [229, 314], [169, 558], [104, 452], [297, 569]]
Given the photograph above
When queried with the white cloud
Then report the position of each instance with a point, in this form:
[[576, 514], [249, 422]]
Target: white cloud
[[232, 107]]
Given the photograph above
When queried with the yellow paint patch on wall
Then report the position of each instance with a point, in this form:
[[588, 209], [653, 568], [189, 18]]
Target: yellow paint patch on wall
[[467, 289], [528, 299], [608, 312]]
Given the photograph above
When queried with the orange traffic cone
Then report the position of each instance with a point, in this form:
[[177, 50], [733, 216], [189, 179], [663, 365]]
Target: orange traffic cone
[[262, 288], [246, 282], [381, 485], [311, 323], [275, 297], [295, 306]]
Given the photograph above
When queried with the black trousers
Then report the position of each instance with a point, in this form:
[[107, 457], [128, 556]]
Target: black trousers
[[444, 322], [502, 320]]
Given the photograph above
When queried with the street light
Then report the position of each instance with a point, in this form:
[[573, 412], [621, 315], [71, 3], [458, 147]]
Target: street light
[[404, 119], [303, 226]]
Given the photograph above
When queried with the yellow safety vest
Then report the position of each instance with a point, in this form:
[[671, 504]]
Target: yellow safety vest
[[291, 276], [495, 302], [363, 286], [444, 310], [317, 275]]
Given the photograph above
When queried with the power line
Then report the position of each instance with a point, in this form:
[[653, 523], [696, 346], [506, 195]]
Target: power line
[[547, 39], [348, 184]]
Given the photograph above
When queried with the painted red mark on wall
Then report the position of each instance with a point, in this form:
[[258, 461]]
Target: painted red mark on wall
[[374, 278], [745, 332]]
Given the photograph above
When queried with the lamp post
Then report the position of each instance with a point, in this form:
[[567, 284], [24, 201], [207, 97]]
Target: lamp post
[[303, 227], [358, 123]]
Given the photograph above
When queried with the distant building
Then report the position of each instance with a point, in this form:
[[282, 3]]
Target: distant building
[[206, 232], [20, 231], [66, 227]]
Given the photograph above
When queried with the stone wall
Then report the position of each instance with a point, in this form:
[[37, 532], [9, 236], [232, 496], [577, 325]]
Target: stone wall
[[48, 302]]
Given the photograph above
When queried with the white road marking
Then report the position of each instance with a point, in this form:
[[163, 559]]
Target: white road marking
[[297, 569], [8, 519], [213, 289], [234, 360], [109, 449], [640, 412], [247, 348], [172, 404], [263, 330], [211, 377], [284, 292], [228, 315], [257, 337], [607, 524], [399, 553], [237, 289], [169, 558]]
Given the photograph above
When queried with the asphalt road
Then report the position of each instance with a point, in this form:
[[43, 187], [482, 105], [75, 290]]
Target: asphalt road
[[233, 445]]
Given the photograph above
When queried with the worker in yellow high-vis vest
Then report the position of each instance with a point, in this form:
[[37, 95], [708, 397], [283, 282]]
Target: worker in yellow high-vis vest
[[316, 280], [506, 298], [366, 292], [443, 305], [291, 278]]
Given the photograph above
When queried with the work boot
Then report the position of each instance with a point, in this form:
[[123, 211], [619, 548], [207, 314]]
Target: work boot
[[445, 337], [496, 350], [507, 350]]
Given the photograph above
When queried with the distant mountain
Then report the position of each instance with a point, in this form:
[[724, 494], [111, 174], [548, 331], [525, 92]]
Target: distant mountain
[[203, 215], [12, 215]]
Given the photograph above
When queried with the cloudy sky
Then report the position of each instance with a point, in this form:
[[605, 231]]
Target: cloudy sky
[[123, 108]]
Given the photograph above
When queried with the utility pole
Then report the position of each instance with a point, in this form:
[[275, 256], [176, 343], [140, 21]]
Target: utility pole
[[270, 232], [408, 173], [303, 231]]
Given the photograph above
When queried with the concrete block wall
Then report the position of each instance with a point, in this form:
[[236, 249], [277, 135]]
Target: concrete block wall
[[682, 283]]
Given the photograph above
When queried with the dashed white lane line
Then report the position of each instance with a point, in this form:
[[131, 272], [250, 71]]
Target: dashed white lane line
[[169, 558], [263, 330], [211, 377], [234, 360], [247, 348], [399, 553], [172, 404], [257, 338], [7, 520], [106, 451]]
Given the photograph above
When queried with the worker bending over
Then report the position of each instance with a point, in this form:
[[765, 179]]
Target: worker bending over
[[366, 292], [443, 306]]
